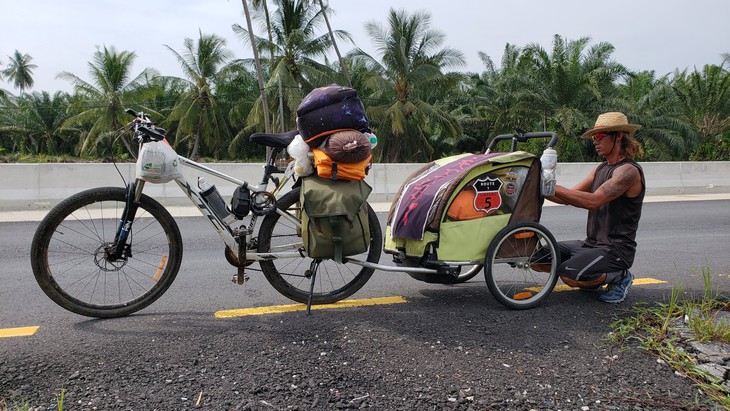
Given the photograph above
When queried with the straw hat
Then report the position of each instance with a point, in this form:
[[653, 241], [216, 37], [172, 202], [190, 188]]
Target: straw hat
[[613, 121]]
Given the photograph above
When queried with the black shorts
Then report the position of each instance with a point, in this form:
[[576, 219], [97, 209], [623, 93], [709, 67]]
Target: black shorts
[[582, 262]]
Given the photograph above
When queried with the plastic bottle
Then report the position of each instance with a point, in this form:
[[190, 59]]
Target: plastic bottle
[[215, 201], [373, 139], [549, 162]]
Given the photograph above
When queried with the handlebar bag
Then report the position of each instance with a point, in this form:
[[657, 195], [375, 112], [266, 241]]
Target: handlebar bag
[[157, 162], [326, 110], [334, 217]]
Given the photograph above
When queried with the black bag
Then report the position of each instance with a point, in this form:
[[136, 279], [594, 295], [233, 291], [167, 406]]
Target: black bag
[[327, 110], [334, 217]]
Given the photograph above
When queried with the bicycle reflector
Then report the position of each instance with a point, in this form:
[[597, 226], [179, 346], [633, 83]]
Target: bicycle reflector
[[524, 234], [522, 296]]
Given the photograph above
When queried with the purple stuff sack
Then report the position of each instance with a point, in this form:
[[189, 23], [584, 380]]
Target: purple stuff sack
[[327, 110]]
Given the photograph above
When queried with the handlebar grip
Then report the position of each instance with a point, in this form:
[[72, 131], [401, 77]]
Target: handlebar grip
[[131, 112], [152, 132], [523, 137]]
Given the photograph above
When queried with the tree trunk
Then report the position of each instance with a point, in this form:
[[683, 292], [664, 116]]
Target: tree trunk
[[334, 43], [259, 73]]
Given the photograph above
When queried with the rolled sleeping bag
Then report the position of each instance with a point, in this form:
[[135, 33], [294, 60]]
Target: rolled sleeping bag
[[350, 146]]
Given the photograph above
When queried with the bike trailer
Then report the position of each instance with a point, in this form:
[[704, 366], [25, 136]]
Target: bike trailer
[[449, 210]]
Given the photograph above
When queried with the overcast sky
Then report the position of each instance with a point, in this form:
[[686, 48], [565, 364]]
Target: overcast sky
[[62, 35]]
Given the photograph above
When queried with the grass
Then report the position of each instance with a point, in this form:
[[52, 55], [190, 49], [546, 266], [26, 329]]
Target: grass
[[25, 405], [654, 328]]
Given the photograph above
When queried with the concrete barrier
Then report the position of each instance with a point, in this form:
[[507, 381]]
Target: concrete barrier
[[40, 186]]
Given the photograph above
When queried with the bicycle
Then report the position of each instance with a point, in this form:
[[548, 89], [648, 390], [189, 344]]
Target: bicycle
[[111, 251]]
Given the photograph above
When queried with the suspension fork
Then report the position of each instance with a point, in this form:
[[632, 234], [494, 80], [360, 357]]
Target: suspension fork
[[118, 248]]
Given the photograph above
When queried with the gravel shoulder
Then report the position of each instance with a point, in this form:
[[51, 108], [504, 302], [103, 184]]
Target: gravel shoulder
[[452, 348]]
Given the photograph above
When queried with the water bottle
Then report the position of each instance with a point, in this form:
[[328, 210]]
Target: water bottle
[[549, 162], [215, 201], [373, 139]]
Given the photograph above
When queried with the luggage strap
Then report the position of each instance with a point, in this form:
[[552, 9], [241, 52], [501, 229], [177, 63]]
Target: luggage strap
[[336, 224]]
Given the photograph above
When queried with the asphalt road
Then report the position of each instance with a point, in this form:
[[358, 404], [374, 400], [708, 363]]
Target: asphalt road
[[436, 341], [677, 241]]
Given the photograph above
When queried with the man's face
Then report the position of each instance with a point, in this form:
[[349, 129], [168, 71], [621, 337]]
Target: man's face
[[604, 143]]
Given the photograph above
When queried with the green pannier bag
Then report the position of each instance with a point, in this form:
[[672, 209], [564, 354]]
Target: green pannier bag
[[334, 217]]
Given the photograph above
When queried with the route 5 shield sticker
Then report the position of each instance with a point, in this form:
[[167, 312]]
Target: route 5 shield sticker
[[488, 197]]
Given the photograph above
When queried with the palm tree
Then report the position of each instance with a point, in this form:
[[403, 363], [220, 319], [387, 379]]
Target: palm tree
[[569, 83], [704, 102], [651, 102], [343, 66], [262, 5], [196, 113], [502, 96], [20, 71], [296, 46], [412, 59], [110, 91], [38, 123], [257, 61], [237, 93]]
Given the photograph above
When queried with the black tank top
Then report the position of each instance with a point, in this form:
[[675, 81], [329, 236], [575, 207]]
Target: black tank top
[[614, 224]]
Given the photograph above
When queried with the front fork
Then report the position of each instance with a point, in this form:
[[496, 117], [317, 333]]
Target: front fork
[[119, 248]]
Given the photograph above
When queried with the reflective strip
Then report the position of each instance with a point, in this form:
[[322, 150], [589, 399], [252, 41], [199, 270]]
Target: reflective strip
[[592, 263]]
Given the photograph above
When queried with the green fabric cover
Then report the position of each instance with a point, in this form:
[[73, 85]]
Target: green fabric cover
[[334, 217]]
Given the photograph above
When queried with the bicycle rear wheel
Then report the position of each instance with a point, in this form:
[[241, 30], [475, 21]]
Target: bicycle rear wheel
[[333, 281], [70, 262]]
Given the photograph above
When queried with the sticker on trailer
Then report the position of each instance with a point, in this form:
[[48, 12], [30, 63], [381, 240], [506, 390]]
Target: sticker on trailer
[[488, 197], [510, 189]]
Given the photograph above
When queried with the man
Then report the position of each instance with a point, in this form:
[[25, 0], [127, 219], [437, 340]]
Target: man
[[613, 194]]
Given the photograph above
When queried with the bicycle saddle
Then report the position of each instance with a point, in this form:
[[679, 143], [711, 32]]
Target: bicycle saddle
[[276, 140]]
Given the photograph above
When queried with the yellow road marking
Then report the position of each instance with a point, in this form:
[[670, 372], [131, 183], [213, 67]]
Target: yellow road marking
[[17, 332], [637, 281], [274, 309]]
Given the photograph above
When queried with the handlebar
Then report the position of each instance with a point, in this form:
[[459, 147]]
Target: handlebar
[[521, 137], [144, 128]]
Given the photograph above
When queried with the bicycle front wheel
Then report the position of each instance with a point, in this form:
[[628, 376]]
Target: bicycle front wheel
[[71, 263], [521, 264], [333, 281]]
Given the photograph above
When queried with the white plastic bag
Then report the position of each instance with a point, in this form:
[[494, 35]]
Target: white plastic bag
[[299, 151], [157, 162]]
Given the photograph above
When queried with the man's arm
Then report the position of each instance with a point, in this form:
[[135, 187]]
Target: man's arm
[[623, 178]]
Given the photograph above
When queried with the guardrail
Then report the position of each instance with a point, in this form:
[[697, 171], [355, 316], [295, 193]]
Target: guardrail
[[40, 186]]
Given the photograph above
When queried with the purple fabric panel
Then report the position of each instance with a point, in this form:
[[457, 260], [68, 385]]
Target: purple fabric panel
[[417, 199]]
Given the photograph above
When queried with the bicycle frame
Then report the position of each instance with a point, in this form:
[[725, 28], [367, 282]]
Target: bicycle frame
[[236, 240]]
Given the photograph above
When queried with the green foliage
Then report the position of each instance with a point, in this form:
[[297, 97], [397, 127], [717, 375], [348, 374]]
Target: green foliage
[[197, 115], [400, 86], [20, 71], [102, 101], [651, 328], [716, 150], [418, 109]]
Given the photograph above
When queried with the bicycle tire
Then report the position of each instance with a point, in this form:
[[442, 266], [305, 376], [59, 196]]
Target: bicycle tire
[[69, 263], [511, 261], [333, 281], [468, 274]]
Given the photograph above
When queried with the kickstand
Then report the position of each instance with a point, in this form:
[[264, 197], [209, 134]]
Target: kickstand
[[312, 272]]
